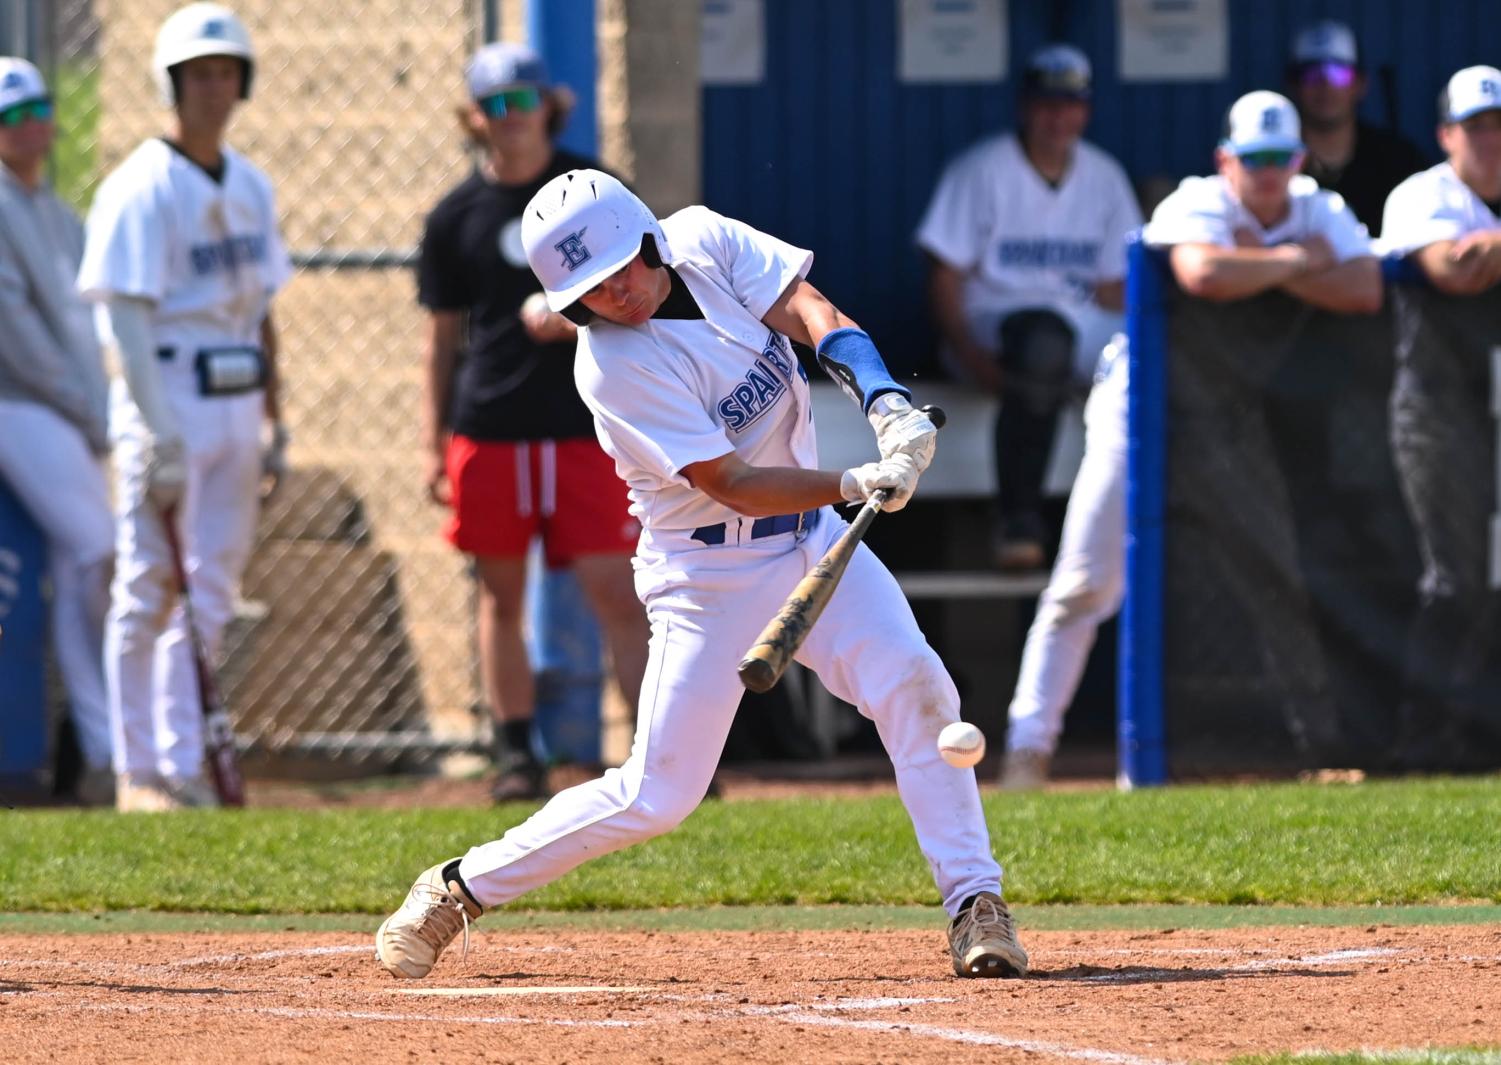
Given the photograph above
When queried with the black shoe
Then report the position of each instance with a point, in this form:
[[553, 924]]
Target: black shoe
[[519, 778]]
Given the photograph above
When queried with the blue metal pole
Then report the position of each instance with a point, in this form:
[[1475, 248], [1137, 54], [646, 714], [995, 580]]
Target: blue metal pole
[[1141, 732], [562, 31]]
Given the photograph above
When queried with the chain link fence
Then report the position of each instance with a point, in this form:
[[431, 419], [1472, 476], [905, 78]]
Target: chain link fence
[[354, 641]]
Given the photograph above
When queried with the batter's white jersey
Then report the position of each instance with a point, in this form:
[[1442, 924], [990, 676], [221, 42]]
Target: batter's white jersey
[[671, 392], [1203, 210], [206, 252], [1023, 242], [1431, 206]]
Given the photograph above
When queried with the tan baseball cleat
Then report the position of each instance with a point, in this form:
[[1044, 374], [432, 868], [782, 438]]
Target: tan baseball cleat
[[143, 794], [1025, 770], [409, 941], [982, 940]]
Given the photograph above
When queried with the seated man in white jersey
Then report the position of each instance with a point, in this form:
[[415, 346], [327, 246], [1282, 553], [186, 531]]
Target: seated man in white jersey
[[1448, 220], [182, 258], [1257, 225], [52, 408], [685, 361], [1025, 237]]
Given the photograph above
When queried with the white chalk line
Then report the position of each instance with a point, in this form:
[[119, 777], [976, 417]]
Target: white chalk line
[[975, 1038], [787, 1014]]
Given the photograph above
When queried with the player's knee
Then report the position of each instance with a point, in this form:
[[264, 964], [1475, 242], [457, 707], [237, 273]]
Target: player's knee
[[1037, 353], [142, 597], [1086, 592], [660, 808]]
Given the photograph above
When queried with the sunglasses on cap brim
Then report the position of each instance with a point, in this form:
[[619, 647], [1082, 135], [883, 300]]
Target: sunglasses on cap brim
[[37, 110], [502, 103], [1278, 158]]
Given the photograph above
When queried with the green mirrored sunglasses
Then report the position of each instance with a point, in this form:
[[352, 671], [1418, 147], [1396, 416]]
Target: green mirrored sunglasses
[[40, 110], [527, 99]]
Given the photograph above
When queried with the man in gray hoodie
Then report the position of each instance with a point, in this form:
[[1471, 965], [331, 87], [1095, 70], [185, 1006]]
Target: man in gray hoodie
[[52, 407]]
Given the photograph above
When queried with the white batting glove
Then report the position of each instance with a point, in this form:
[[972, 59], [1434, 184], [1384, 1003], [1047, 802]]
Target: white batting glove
[[900, 430], [166, 471], [897, 474], [274, 459]]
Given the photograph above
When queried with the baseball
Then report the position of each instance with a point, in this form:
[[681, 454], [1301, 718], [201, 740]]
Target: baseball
[[961, 744]]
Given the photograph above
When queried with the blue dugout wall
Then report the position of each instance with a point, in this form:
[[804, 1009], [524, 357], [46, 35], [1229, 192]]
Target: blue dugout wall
[[832, 152]]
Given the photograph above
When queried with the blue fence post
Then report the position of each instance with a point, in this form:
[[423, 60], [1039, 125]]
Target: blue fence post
[[1141, 735], [23, 644], [562, 32]]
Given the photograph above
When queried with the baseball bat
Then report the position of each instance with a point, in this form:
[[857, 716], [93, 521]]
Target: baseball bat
[[218, 736], [768, 658]]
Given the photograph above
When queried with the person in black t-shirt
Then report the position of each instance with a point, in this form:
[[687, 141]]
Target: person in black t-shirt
[[511, 446], [1361, 162]]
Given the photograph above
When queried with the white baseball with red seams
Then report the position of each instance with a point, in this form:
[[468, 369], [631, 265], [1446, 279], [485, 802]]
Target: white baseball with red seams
[[961, 744]]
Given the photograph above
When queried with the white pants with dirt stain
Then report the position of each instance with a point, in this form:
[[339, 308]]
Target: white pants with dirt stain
[[707, 605]]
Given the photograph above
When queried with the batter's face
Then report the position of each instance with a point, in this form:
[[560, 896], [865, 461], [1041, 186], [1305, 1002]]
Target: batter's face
[[208, 88], [25, 143], [1474, 150], [1262, 189], [630, 295], [1054, 126]]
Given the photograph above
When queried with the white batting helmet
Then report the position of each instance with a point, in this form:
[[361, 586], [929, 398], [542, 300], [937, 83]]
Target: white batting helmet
[[199, 30], [580, 228]]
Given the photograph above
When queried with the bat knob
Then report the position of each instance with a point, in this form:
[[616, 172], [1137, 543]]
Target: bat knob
[[757, 675], [935, 415]]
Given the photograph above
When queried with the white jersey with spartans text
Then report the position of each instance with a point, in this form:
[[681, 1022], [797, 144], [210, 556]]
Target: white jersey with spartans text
[[1203, 210], [1431, 206], [207, 253], [1022, 242], [669, 393]]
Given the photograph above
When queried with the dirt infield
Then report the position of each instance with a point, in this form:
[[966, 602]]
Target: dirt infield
[[1127, 998]]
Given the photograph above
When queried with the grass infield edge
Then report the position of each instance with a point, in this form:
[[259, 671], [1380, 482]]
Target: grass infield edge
[[1042, 918]]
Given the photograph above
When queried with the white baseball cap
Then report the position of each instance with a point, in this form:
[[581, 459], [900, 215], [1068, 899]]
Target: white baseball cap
[[1326, 42], [580, 228], [501, 65], [1262, 121], [19, 82], [1471, 91]]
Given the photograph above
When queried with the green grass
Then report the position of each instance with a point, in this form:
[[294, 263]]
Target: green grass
[[1402, 842], [1426, 1056]]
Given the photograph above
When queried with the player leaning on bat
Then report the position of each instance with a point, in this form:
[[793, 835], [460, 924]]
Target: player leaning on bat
[[683, 358], [182, 257]]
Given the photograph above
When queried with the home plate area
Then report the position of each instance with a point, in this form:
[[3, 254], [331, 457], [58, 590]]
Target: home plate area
[[1124, 997]]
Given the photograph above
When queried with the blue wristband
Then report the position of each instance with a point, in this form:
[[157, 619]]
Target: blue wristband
[[850, 357]]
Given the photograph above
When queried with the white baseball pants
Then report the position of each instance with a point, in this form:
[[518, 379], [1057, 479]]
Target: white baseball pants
[[153, 690], [47, 463], [706, 607], [1088, 578]]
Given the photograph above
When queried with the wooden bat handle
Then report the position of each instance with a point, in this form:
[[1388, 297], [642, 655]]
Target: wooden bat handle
[[768, 658]]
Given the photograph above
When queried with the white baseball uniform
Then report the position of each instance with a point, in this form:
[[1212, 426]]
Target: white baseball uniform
[[51, 425], [1023, 242], [207, 254], [1431, 206], [667, 394], [1088, 578]]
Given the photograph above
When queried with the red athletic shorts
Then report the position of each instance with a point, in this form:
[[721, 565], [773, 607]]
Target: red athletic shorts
[[566, 491]]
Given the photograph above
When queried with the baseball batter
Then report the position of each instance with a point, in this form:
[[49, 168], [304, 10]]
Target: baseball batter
[[182, 257], [1254, 226], [684, 359], [52, 407]]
